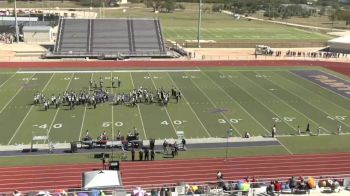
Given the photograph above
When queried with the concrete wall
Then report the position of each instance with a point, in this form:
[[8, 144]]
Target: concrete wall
[[37, 36]]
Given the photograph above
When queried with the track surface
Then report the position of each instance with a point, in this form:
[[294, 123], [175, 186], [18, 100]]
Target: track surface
[[153, 173], [343, 68]]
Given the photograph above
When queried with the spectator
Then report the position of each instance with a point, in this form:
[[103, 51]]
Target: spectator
[[292, 184], [219, 175], [16, 193], [247, 135], [277, 186]]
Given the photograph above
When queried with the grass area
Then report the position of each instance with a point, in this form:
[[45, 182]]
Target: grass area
[[317, 144], [318, 21], [246, 99], [88, 158], [182, 25], [40, 4]]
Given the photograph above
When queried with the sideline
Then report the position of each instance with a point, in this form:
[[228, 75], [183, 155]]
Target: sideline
[[112, 71]]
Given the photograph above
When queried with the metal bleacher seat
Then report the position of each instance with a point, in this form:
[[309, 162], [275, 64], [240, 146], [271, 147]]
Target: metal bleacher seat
[[96, 37]]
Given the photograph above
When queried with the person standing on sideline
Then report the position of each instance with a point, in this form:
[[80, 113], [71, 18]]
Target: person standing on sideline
[[318, 130], [274, 131], [308, 131], [339, 129], [132, 154], [299, 131], [152, 155], [103, 161]]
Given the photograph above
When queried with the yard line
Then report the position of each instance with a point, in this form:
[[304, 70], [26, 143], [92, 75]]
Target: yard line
[[212, 102], [138, 108], [262, 103], [166, 110], [112, 108], [285, 147], [216, 84], [31, 107], [58, 109], [15, 95], [189, 105], [82, 122], [113, 71], [322, 110], [269, 92], [13, 75]]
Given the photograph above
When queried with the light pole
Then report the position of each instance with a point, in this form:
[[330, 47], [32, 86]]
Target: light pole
[[199, 24], [229, 134], [16, 23]]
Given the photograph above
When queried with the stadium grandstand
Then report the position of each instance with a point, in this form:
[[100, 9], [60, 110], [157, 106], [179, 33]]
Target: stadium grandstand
[[109, 39]]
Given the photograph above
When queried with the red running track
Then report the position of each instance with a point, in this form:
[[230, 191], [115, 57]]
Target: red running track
[[340, 67], [159, 173]]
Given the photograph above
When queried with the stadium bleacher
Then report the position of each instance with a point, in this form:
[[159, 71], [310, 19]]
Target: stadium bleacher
[[109, 37]]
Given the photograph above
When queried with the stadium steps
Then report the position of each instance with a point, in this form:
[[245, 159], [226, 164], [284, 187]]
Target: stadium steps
[[59, 35], [160, 36], [131, 36], [89, 36]]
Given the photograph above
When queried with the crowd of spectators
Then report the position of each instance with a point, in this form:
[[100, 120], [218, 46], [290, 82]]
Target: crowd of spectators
[[7, 38], [318, 54]]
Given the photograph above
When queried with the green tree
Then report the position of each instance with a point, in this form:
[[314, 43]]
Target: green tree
[[169, 5]]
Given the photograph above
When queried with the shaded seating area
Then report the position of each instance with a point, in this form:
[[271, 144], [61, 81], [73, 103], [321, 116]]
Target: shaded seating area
[[109, 39]]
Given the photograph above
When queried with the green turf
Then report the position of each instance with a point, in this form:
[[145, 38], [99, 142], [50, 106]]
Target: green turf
[[190, 154], [246, 99], [182, 25], [317, 144]]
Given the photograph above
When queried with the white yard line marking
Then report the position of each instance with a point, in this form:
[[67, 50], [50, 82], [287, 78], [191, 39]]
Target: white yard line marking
[[285, 147], [107, 71], [31, 107], [166, 110], [269, 92], [289, 104], [138, 108], [15, 95], [112, 108], [212, 102], [13, 75], [218, 86], [82, 122], [54, 118], [258, 100], [321, 109], [189, 105]]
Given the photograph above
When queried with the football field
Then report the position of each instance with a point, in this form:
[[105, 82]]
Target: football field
[[214, 99]]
